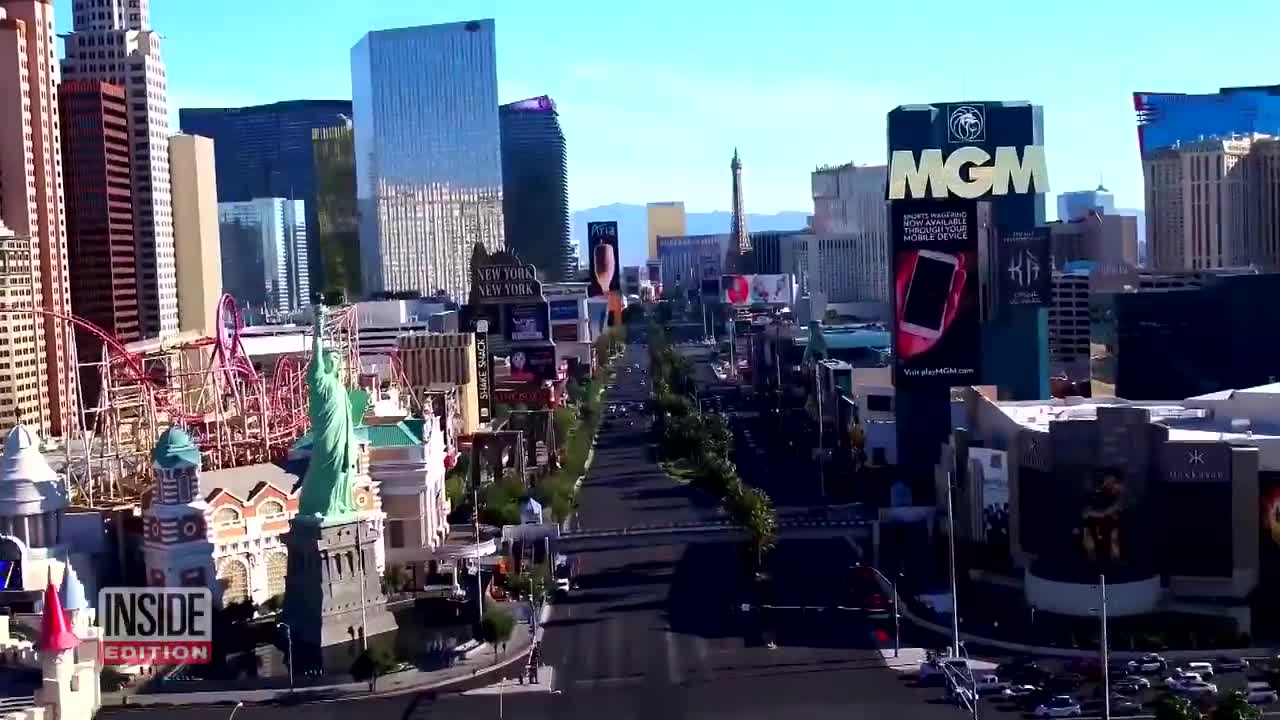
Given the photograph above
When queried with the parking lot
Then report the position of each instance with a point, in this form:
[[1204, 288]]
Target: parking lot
[[1133, 693]]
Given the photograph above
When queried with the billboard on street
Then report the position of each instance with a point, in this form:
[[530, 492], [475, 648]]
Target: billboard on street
[[748, 290]]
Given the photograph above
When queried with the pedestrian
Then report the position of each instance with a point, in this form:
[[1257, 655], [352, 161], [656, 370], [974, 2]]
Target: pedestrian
[[504, 647]]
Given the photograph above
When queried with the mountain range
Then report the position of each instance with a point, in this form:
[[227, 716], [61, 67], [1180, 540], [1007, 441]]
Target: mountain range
[[633, 226]]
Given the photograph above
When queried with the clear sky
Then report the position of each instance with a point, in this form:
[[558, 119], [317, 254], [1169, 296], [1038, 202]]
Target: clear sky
[[654, 95]]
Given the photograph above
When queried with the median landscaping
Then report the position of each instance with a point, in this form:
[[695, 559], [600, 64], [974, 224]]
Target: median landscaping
[[696, 448]]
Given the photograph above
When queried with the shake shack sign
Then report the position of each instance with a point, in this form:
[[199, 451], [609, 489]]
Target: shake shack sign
[[501, 277]]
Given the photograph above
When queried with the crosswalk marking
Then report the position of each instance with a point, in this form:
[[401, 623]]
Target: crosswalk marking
[[13, 704], [704, 664]]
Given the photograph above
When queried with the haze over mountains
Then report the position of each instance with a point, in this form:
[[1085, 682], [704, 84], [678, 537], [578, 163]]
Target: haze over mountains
[[633, 222]]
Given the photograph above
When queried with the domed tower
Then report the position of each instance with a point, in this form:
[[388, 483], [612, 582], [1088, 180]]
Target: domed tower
[[176, 534], [32, 505]]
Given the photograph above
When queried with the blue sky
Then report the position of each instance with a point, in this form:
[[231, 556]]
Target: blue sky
[[654, 95]]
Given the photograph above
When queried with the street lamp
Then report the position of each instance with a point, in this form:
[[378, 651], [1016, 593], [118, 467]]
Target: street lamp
[[897, 638], [1106, 670], [288, 638], [951, 557], [239, 704]]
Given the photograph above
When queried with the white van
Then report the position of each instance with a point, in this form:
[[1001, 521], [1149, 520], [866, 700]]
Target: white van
[[1203, 669]]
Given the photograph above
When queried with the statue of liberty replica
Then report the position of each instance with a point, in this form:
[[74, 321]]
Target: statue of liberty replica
[[333, 595]]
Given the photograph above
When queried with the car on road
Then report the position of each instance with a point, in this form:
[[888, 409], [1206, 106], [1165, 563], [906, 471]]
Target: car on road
[[1124, 706], [1226, 664], [1260, 693], [1019, 691], [1132, 685], [1064, 682], [1180, 678], [1197, 689], [1203, 669], [988, 684], [1149, 663], [1059, 706]]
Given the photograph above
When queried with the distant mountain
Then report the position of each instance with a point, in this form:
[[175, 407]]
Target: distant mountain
[[633, 226]]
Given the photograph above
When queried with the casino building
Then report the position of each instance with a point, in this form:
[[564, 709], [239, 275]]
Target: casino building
[[1177, 503]]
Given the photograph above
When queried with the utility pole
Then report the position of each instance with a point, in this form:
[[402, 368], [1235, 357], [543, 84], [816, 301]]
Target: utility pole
[[822, 457], [951, 557], [475, 518], [288, 637], [1106, 671]]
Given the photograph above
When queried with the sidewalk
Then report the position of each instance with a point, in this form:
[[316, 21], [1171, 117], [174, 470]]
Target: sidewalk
[[475, 664]]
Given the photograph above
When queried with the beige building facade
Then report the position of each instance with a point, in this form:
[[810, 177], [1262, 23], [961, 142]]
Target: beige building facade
[[112, 40], [666, 219], [1214, 204], [195, 231], [31, 203]]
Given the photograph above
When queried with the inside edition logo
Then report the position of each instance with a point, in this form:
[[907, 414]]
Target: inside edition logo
[[156, 626]]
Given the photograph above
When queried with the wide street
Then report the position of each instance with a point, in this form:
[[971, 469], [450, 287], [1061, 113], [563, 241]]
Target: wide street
[[654, 629]]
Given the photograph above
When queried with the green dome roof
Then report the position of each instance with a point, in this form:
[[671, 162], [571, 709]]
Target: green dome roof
[[175, 449]]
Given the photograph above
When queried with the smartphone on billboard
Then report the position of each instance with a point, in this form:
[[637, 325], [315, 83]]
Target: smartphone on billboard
[[928, 291]]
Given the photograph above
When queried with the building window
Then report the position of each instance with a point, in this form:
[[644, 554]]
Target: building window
[[226, 517], [271, 510], [395, 533], [277, 569], [233, 575]]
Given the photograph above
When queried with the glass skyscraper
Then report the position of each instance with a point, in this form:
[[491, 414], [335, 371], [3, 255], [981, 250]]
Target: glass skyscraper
[[1166, 119], [338, 231], [535, 176], [265, 151], [428, 157], [264, 254]]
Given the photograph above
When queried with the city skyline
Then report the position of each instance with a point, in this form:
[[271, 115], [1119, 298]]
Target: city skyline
[[679, 101]]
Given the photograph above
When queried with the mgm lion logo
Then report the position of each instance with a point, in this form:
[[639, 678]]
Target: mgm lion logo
[[966, 124]]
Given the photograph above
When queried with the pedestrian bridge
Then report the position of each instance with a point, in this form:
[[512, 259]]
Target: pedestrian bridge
[[703, 531]]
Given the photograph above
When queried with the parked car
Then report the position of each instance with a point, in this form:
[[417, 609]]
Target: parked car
[[1124, 706], [1149, 663], [1197, 689], [1226, 664], [1179, 678], [1203, 669], [1059, 706], [1260, 693], [989, 685], [1019, 691]]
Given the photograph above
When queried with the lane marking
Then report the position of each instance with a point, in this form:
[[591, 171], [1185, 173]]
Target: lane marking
[[673, 661]]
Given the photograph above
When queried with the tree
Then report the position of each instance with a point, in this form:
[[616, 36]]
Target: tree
[[752, 510], [371, 664], [563, 420], [1175, 707], [497, 626], [1235, 706]]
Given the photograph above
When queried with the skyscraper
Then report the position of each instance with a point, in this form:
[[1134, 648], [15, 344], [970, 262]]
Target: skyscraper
[[265, 151], [429, 183], [1166, 119], [1078, 203], [264, 251], [103, 255], [112, 40], [337, 234], [31, 206], [535, 187], [665, 219], [1214, 204], [738, 228], [195, 233], [851, 222]]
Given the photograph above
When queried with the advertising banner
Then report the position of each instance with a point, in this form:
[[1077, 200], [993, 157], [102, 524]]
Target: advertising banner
[[748, 290], [1026, 276], [534, 398], [484, 377], [527, 322], [564, 310], [533, 364], [602, 246], [936, 329], [564, 333]]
